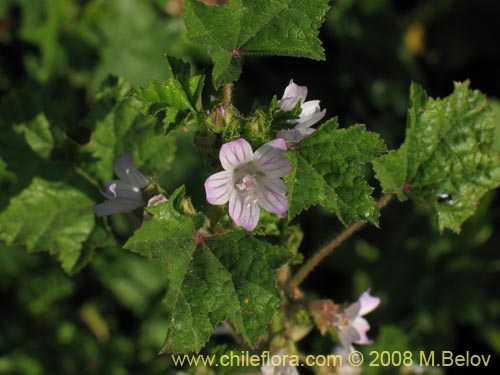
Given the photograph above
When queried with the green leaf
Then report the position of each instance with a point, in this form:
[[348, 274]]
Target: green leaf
[[119, 126], [23, 112], [49, 216], [329, 170], [229, 276], [447, 160], [179, 96], [254, 27], [5, 176]]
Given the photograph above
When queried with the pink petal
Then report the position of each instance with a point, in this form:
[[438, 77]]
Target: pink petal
[[269, 159], [218, 187], [368, 303], [362, 327], [291, 135], [127, 171], [306, 121], [244, 212], [272, 196], [293, 93], [235, 153], [347, 336]]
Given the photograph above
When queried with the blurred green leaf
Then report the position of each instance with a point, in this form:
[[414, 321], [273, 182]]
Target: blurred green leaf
[[23, 113], [134, 37], [179, 96], [254, 27], [329, 170], [229, 276], [49, 216], [119, 126], [447, 161], [5, 175]]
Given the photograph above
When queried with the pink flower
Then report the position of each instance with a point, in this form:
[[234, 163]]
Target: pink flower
[[250, 180], [351, 327], [310, 115], [124, 195]]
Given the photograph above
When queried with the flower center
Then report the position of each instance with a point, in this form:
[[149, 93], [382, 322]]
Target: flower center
[[248, 183]]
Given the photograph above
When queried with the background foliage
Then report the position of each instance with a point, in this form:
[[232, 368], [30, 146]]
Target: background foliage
[[438, 291]]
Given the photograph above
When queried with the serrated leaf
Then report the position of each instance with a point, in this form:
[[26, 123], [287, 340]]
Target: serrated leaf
[[49, 216], [329, 170], [254, 27], [179, 96], [119, 126], [229, 276], [447, 160]]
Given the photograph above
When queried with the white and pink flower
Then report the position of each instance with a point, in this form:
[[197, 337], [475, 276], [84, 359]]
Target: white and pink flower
[[310, 115], [124, 195], [352, 328], [250, 181]]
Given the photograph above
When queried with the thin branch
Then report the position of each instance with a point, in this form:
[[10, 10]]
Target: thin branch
[[322, 253]]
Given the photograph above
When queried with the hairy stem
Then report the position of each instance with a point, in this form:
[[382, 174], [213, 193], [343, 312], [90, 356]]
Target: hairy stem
[[322, 253], [227, 91]]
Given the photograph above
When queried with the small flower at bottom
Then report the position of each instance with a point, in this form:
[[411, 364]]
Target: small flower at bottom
[[310, 115], [351, 327], [280, 363], [250, 180], [124, 195]]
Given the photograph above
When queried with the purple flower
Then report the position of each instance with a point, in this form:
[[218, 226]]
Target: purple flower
[[250, 180], [351, 327], [310, 115], [124, 195]]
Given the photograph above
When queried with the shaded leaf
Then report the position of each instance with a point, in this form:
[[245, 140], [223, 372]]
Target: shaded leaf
[[229, 276], [447, 160], [329, 170], [119, 126], [49, 216], [255, 27]]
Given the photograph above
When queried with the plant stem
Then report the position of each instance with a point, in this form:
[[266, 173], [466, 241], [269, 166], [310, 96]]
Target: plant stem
[[227, 91], [322, 253]]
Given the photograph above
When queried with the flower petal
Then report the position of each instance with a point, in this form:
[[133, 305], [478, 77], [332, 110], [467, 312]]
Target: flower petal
[[307, 120], [272, 196], [352, 312], [347, 336], [269, 159], [116, 207], [291, 135], [116, 189], [368, 303], [244, 212], [219, 187], [127, 171], [362, 327], [235, 153], [293, 93]]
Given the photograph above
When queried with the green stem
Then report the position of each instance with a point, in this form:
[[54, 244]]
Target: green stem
[[322, 253], [227, 91]]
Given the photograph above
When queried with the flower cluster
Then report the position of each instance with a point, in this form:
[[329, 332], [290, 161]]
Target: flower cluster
[[250, 180], [310, 115]]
